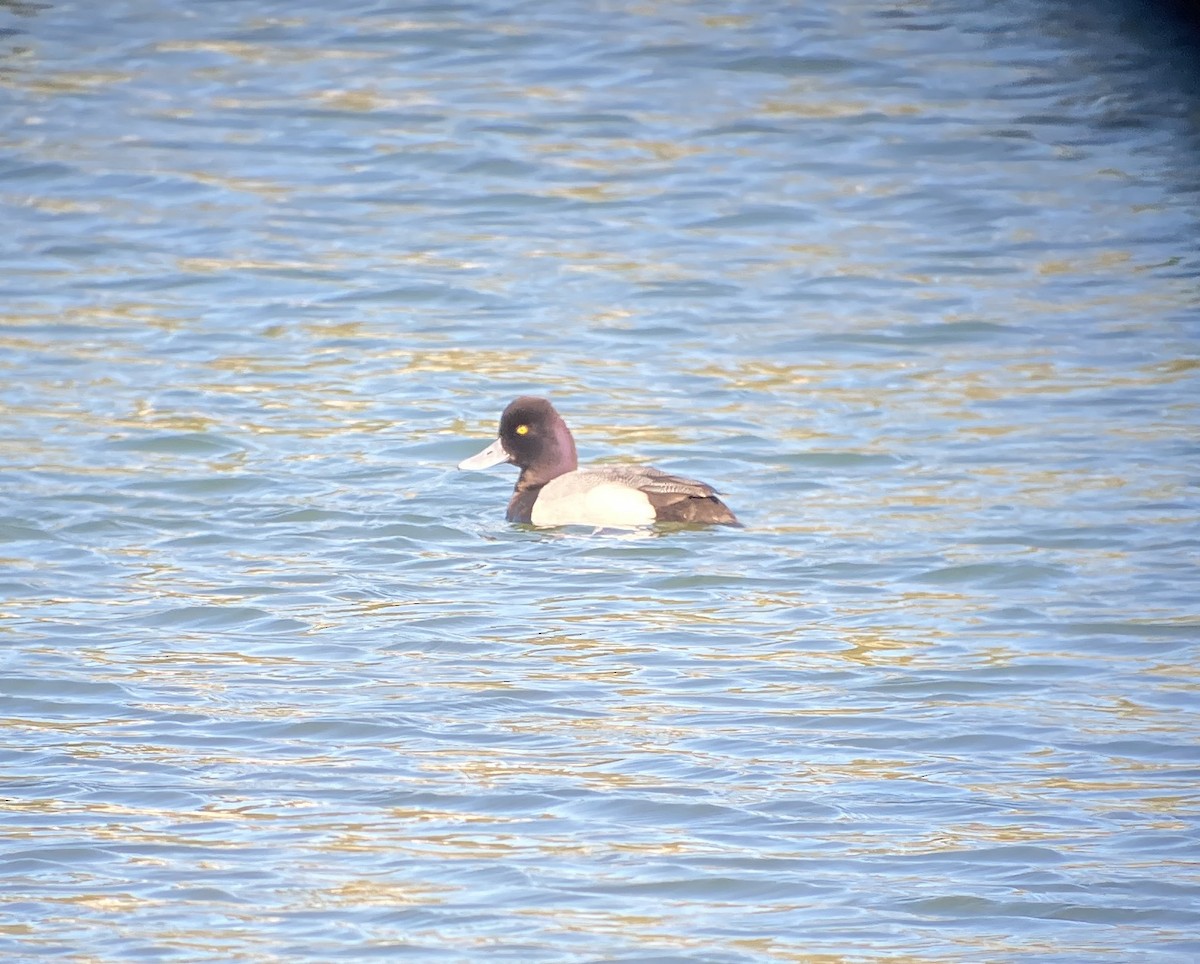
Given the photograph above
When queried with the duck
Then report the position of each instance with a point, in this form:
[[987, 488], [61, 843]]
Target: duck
[[553, 491]]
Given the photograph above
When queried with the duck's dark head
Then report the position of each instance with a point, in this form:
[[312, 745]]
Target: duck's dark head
[[534, 438]]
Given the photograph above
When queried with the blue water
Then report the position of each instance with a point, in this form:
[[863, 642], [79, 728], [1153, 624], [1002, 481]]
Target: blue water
[[915, 286]]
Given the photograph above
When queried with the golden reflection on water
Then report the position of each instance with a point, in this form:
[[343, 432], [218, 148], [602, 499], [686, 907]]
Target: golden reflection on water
[[659, 934], [221, 265], [280, 54], [391, 892], [271, 190], [75, 82], [816, 104], [491, 361]]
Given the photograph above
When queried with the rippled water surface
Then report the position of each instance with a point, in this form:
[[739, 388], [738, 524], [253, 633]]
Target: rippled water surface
[[915, 285]]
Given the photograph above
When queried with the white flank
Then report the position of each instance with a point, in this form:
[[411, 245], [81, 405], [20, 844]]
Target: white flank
[[569, 500]]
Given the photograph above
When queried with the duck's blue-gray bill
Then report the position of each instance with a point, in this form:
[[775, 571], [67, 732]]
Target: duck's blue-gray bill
[[494, 454]]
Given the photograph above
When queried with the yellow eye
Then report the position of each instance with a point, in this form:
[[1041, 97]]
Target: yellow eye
[[522, 429]]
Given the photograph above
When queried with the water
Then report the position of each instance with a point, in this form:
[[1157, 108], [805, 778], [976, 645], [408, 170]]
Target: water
[[914, 285]]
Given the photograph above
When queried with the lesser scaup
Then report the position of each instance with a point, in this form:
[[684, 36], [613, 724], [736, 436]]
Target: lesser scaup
[[552, 490]]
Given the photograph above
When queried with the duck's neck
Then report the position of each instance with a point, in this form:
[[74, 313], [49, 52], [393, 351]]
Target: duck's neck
[[520, 506]]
